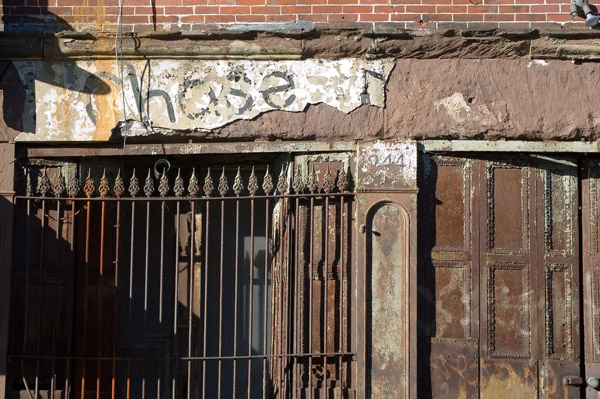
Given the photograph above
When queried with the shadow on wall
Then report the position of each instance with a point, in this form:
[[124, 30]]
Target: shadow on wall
[[18, 84]]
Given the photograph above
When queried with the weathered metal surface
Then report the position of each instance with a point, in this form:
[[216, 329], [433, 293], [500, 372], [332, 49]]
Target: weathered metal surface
[[387, 248], [86, 100], [509, 222]]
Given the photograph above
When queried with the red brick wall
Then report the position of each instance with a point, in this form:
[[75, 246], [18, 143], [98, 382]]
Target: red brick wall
[[183, 15]]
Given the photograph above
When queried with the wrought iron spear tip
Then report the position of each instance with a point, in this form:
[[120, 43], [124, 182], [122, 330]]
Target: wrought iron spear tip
[[74, 186], [178, 187], [313, 181], [328, 184], [282, 184], [119, 186], [134, 186], [193, 186], [149, 185], [208, 184], [297, 183], [104, 188], [163, 185], [238, 183], [223, 186], [89, 188], [342, 181], [252, 183], [267, 185], [59, 184]]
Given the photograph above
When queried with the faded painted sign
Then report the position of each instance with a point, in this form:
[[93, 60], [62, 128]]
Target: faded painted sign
[[387, 165], [85, 100]]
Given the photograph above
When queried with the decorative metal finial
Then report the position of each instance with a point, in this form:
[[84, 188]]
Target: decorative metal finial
[[223, 187], [58, 187], [44, 183], [104, 188], [193, 187], [297, 183], [252, 183], [149, 185], [342, 181], [28, 186], [163, 184], [88, 187], [267, 185], [282, 184], [208, 184], [119, 187], [238, 183], [74, 186], [134, 185], [328, 184], [313, 181], [178, 187]]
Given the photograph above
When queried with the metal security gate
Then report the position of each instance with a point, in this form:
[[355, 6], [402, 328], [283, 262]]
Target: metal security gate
[[204, 281], [500, 282]]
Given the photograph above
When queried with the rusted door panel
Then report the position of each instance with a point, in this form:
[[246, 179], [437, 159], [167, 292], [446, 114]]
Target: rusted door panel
[[558, 248], [502, 379], [449, 289], [509, 223], [591, 272]]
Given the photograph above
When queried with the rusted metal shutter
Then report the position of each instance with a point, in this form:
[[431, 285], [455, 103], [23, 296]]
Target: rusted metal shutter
[[500, 277]]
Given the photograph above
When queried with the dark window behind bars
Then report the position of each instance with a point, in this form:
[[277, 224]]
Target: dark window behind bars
[[194, 283]]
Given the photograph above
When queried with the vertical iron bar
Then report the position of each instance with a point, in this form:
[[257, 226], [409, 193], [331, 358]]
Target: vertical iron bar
[[206, 238], [86, 293], [191, 297], [39, 315], [146, 267], [325, 285], [251, 280], [70, 304], [100, 295], [281, 383], [265, 303], [115, 300], [175, 306], [131, 257], [160, 288], [55, 316], [310, 296], [26, 315], [295, 295], [235, 295], [341, 284], [221, 299]]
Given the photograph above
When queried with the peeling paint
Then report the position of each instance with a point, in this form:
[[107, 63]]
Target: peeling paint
[[186, 95], [387, 165]]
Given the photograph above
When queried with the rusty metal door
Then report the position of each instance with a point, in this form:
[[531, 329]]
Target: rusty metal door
[[500, 277]]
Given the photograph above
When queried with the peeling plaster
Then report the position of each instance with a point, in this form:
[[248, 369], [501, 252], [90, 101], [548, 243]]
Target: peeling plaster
[[82, 100]]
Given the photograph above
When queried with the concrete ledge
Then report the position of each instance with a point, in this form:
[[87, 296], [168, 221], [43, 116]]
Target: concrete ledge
[[382, 40]]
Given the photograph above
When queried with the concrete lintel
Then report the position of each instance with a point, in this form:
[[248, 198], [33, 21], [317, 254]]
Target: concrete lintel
[[508, 146]]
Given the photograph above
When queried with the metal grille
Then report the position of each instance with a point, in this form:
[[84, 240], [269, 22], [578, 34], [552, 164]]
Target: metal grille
[[229, 284]]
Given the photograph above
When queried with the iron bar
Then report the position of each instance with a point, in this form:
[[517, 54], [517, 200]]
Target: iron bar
[[86, 289], [206, 358], [221, 266], [296, 292], [310, 295], [55, 316], [206, 244], [100, 300], [191, 295], [250, 296], [176, 305], [325, 289], [265, 296], [235, 293], [116, 306], [160, 288]]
